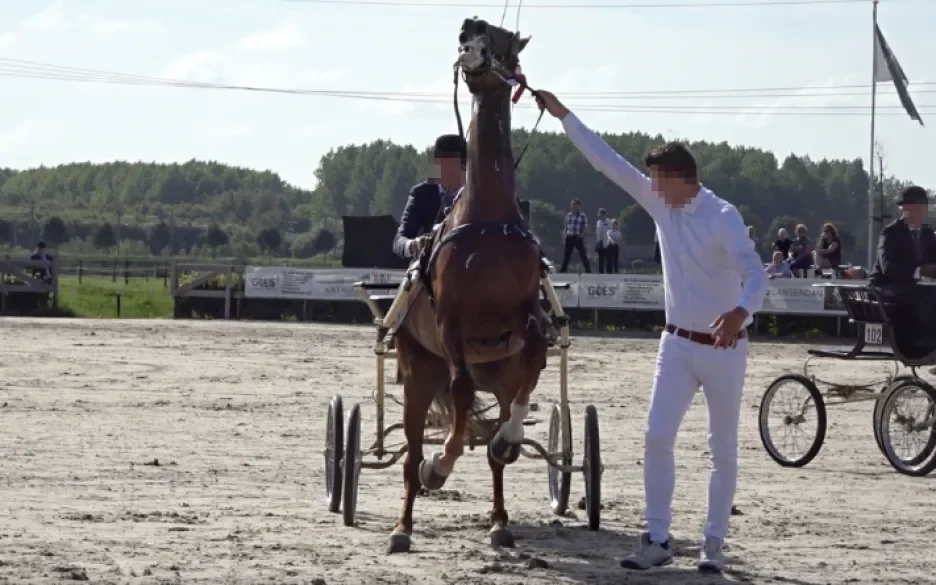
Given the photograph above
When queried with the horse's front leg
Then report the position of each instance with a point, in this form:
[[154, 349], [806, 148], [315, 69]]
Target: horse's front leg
[[419, 387], [434, 472], [506, 444]]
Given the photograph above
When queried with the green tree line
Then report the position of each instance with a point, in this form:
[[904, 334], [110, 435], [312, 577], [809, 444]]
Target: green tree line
[[174, 208]]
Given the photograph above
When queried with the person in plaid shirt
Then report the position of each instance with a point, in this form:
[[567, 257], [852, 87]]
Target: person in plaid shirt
[[576, 228]]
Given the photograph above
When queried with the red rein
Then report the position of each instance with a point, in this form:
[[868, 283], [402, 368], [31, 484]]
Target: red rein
[[520, 87]]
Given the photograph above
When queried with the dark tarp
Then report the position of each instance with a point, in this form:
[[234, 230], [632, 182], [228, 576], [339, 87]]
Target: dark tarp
[[368, 241]]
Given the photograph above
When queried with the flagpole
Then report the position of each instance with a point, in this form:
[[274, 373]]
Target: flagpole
[[871, 238]]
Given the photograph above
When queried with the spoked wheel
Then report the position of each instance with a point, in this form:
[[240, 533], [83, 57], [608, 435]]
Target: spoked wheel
[[876, 416], [792, 420], [334, 452], [592, 468], [907, 419], [559, 482], [351, 465]]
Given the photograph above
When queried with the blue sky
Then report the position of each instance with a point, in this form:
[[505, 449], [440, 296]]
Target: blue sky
[[395, 49]]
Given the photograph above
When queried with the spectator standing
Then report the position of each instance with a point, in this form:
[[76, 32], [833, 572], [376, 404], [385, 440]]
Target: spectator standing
[[779, 267], [783, 242], [576, 228], [602, 227], [829, 250], [613, 249], [800, 251]]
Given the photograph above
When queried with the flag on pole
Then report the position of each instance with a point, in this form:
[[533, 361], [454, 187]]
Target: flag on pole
[[886, 68]]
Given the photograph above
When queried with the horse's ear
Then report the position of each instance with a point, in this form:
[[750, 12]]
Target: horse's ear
[[522, 43]]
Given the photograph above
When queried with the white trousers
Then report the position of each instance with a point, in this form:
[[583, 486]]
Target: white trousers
[[682, 366]]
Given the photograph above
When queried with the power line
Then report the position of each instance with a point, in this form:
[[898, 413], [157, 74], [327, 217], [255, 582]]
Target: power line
[[35, 70], [589, 5]]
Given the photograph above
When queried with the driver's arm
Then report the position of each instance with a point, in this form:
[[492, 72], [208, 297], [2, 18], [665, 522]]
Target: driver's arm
[[410, 223]]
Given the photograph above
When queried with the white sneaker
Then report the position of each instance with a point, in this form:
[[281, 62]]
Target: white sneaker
[[712, 558], [648, 554]]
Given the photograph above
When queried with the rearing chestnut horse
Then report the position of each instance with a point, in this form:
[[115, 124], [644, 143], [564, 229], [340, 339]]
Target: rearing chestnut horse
[[478, 323]]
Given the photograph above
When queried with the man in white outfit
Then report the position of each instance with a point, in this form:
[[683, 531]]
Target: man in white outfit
[[714, 283]]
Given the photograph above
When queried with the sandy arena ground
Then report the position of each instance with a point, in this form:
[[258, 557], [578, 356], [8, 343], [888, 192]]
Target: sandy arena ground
[[190, 452]]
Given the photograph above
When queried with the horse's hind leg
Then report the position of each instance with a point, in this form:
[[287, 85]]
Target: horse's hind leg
[[423, 374], [436, 470], [505, 446]]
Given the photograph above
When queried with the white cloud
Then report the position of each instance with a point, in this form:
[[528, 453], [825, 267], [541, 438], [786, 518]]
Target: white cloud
[[205, 66], [814, 97], [285, 37], [7, 39], [120, 26], [426, 96], [223, 131], [51, 18], [24, 134]]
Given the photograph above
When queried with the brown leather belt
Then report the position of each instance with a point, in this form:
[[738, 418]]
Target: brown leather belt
[[695, 336]]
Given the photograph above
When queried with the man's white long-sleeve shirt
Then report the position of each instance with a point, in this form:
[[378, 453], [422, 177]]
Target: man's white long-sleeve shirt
[[710, 265]]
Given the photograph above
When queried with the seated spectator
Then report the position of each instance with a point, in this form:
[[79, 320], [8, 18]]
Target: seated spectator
[[800, 251], [828, 252], [783, 242], [779, 268], [41, 254]]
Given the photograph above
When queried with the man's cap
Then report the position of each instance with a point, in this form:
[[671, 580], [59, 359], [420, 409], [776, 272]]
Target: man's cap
[[601, 210], [913, 195], [41, 245], [450, 146]]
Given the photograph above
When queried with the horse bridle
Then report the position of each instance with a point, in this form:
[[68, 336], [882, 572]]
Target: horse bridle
[[484, 54]]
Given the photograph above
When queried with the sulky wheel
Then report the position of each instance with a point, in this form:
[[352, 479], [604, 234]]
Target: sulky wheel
[[559, 482], [351, 465], [793, 413], [591, 465], [334, 452], [876, 414], [906, 427]]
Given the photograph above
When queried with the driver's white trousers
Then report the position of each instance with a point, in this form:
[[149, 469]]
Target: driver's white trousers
[[682, 366]]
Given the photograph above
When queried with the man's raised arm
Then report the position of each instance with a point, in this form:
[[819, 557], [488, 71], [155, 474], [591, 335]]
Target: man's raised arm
[[602, 157]]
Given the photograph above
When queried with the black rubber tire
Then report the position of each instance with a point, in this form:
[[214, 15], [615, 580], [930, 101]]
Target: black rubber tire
[[592, 468], [351, 465], [876, 414], [923, 463], [821, 421], [334, 453], [558, 482]]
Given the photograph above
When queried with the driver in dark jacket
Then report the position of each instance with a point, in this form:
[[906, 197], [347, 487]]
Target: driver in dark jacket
[[906, 251], [428, 200]]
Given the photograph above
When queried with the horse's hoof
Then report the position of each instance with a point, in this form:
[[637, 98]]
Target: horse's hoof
[[502, 538], [429, 477], [503, 451], [398, 543]]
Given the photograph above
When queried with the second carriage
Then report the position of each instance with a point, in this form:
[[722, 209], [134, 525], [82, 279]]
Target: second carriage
[[894, 396]]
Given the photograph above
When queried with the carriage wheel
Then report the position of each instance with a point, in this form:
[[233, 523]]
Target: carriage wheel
[[559, 482], [592, 468], [351, 464], [913, 453], [796, 417], [334, 452], [876, 415]]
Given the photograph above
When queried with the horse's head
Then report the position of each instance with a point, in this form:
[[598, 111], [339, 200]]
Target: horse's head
[[488, 55]]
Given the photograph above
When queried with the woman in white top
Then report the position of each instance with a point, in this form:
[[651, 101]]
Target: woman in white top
[[613, 248]]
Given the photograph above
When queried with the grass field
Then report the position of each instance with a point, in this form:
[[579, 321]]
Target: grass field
[[96, 298]]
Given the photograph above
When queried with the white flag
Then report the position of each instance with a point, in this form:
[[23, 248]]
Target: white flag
[[886, 68]]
